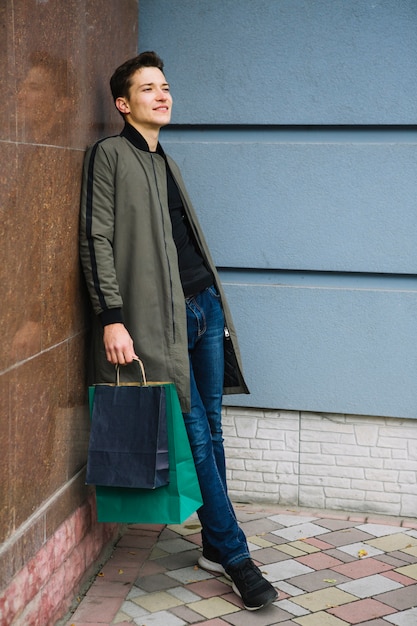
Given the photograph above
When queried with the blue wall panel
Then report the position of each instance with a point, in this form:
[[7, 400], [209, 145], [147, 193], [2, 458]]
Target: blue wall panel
[[286, 61], [293, 128], [327, 344], [331, 205]]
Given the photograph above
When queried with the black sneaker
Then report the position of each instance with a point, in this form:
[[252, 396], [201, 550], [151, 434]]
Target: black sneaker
[[210, 561], [248, 583]]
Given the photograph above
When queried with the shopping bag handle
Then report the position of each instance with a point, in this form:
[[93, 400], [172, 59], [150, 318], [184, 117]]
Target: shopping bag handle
[[142, 369]]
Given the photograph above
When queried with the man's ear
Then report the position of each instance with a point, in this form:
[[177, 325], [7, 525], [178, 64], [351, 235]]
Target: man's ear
[[122, 105]]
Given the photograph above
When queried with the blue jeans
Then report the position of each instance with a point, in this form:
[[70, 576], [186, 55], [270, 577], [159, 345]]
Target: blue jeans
[[222, 536]]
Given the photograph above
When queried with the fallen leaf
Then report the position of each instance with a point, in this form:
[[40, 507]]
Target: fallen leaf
[[362, 553], [120, 571], [329, 580]]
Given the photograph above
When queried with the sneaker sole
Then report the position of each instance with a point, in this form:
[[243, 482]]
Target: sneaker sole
[[254, 608], [211, 566]]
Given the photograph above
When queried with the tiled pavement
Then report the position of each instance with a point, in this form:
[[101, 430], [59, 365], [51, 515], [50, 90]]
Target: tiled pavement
[[331, 569]]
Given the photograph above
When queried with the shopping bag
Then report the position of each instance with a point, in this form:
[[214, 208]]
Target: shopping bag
[[171, 504], [128, 444]]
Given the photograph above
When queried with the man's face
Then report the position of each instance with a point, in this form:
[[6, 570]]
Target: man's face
[[149, 104]]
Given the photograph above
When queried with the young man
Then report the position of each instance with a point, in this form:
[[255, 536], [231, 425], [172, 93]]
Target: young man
[[156, 293]]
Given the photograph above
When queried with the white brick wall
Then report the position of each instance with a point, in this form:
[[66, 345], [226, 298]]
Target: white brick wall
[[347, 462]]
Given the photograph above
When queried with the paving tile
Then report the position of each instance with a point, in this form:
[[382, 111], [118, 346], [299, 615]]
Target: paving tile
[[360, 548], [150, 568], [391, 560], [135, 592], [189, 527], [345, 537], [378, 530], [209, 588], [153, 576], [108, 589], [324, 599], [132, 610], [168, 533], [188, 615], [403, 556], [178, 560], [404, 598], [282, 554], [284, 570], [290, 550], [303, 545], [158, 582], [213, 622], [259, 527], [116, 573], [318, 543], [369, 586], [184, 594], [300, 531], [321, 579], [408, 570], [174, 546], [292, 520], [393, 542], [187, 575], [374, 622], [361, 568], [320, 619], [406, 618], [213, 607], [335, 524], [157, 601], [128, 557], [291, 607], [270, 555], [103, 609], [156, 553], [261, 542], [342, 556], [163, 618], [412, 551], [404, 580], [133, 540], [357, 612], [121, 619], [319, 561], [290, 590], [269, 616]]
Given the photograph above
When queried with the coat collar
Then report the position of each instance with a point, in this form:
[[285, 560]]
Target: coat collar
[[134, 136]]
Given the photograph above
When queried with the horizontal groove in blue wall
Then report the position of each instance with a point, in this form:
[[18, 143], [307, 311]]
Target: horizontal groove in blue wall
[[300, 133], [299, 278]]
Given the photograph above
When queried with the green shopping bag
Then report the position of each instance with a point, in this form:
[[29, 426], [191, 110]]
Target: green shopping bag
[[170, 504]]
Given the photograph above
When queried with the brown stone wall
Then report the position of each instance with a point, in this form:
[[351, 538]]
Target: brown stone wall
[[56, 58]]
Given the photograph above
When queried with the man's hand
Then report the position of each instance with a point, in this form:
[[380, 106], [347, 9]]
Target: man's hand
[[118, 344]]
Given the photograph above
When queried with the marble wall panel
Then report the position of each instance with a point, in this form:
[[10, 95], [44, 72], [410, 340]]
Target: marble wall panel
[[7, 73], [76, 419], [8, 193], [56, 59], [6, 481], [37, 396], [61, 291]]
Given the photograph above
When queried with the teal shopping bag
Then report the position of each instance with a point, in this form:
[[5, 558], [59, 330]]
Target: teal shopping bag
[[170, 504]]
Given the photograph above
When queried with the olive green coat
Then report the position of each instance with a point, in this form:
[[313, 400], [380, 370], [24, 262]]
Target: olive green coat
[[130, 263]]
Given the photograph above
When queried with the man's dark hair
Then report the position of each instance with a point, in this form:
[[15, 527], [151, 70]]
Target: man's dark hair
[[121, 81]]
